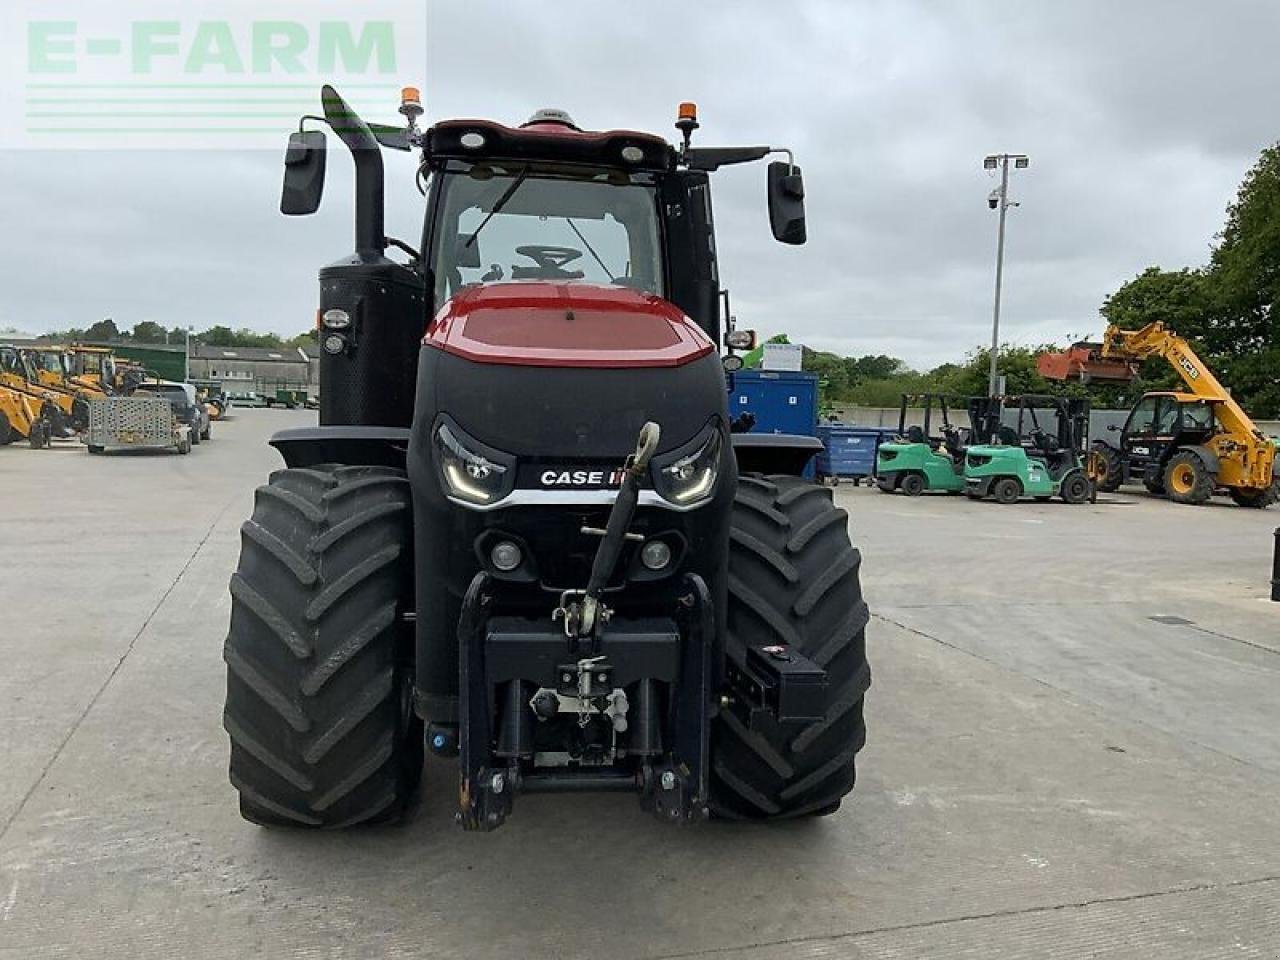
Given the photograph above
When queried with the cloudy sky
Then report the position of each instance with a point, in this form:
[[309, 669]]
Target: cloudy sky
[[1139, 117]]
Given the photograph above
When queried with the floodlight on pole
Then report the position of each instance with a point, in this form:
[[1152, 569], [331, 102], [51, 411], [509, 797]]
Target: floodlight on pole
[[999, 200]]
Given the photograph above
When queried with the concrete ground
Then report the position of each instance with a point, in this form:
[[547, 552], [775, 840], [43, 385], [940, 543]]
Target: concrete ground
[[1052, 771]]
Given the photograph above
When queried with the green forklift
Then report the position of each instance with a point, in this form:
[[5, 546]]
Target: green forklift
[[918, 460], [1026, 460]]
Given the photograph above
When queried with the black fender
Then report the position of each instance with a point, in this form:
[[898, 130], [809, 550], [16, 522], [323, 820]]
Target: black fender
[[774, 452], [351, 445]]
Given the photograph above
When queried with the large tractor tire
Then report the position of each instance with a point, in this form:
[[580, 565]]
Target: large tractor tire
[[793, 579], [1258, 499], [7, 432], [1110, 468], [1187, 479], [319, 656]]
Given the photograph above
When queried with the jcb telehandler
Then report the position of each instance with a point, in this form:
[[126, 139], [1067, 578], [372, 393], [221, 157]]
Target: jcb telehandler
[[1185, 446], [523, 520], [917, 460]]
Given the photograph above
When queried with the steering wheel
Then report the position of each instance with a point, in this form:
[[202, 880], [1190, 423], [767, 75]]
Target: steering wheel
[[551, 259]]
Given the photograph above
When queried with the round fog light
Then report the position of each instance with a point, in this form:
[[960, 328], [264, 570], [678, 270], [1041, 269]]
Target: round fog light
[[506, 556], [655, 555], [334, 344]]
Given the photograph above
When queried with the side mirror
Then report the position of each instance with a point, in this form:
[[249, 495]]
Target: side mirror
[[786, 203], [467, 257], [303, 173]]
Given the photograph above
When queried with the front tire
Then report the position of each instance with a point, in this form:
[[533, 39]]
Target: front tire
[[319, 702], [1075, 488], [793, 579], [1187, 479]]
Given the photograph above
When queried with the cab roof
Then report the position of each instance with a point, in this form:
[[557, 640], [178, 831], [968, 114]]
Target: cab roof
[[547, 139]]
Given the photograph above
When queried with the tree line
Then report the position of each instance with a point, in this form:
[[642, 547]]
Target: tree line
[[149, 332]]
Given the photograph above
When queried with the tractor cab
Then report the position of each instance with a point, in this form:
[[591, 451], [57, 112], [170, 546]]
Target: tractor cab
[[1037, 450], [920, 458], [1160, 425]]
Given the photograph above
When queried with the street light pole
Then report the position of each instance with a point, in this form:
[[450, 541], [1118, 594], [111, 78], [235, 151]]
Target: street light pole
[[999, 199]]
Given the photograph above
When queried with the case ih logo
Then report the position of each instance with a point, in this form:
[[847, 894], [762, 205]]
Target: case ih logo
[[584, 478]]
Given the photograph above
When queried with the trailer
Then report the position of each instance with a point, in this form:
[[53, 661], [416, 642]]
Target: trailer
[[138, 422]]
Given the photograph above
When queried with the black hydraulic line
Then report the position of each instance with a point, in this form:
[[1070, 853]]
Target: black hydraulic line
[[624, 508]]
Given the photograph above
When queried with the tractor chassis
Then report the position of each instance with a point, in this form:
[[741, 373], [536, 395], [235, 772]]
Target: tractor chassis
[[499, 656]]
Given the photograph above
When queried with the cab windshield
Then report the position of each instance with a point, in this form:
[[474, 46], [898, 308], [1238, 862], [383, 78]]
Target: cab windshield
[[504, 221]]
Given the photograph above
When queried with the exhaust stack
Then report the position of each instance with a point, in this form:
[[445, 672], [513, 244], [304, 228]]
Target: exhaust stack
[[367, 155]]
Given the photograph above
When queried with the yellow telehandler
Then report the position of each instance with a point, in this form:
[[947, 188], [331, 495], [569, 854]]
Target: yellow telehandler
[[1185, 445]]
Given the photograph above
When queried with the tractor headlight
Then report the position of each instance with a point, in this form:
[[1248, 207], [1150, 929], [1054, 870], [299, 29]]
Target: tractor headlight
[[471, 472], [689, 476]]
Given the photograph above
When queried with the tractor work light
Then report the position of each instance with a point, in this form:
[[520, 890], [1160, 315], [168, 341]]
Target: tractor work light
[[334, 344], [655, 555], [632, 154], [691, 479], [336, 319], [740, 339], [472, 140], [467, 475], [506, 556], [733, 363]]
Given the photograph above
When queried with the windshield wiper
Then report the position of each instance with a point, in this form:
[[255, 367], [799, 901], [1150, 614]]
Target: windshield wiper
[[497, 207], [587, 243]]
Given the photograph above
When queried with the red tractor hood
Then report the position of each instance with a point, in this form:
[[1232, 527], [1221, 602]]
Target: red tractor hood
[[540, 323]]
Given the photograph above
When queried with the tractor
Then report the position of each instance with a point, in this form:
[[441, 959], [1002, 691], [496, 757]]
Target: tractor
[[1028, 461], [523, 534], [918, 460]]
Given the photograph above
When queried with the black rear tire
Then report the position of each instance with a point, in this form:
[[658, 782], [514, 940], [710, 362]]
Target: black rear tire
[[95, 448], [913, 484], [793, 579], [1112, 468], [1258, 499], [6, 431], [319, 660], [1006, 490]]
